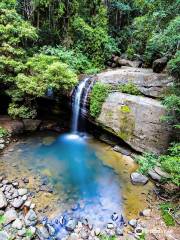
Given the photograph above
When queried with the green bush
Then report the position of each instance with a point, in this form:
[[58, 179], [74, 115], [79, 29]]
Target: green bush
[[75, 59], [98, 95], [129, 88], [3, 132], [166, 208], [21, 111], [171, 163], [174, 65], [146, 162]]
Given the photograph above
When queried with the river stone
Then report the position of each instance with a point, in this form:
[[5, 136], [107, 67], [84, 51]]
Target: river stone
[[42, 233], [3, 201], [22, 191], [146, 212], [10, 215], [119, 231], [71, 224], [133, 223], [17, 202], [122, 150], [74, 236], [17, 224], [159, 171], [2, 146], [2, 140], [136, 120], [30, 218], [4, 235], [154, 175], [138, 178]]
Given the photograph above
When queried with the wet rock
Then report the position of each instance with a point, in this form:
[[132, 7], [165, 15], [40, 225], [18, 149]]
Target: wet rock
[[10, 215], [3, 201], [30, 218], [17, 224], [71, 224], [74, 236], [119, 231], [50, 229], [154, 175], [21, 232], [160, 172], [110, 226], [138, 231], [4, 235], [122, 150], [159, 64], [2, 140], [31, 124], [97, 231], [2, 146], [15, 184], [138, 178], [146, 212], [22, 191], [133, 223], [42, 233], [17, 202]]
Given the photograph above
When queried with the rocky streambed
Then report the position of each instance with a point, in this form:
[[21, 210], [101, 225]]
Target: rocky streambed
[[33, 204]]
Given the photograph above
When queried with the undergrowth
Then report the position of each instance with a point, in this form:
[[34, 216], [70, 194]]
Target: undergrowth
[[3, 132], [129, 88], [167, 209]]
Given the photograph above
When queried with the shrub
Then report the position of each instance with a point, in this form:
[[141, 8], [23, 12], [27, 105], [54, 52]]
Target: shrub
[[21, 111], [129, 88], [166, 208], [75, 59], [146, 162], [98, 95], [3, 132], [174, 65]]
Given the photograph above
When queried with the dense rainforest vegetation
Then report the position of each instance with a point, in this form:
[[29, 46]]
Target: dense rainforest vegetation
[[46, 43]]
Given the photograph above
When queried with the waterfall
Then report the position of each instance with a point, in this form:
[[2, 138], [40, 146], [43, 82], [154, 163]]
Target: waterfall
[[76, 106]]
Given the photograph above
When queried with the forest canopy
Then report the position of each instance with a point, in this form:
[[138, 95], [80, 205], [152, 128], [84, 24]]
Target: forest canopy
[[42, 40]]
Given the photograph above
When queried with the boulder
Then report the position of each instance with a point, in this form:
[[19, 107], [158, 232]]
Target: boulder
[[136, 120], [13, 126], [159, 64], [149, 83], [138, 178], [154, 175], [31, 124]]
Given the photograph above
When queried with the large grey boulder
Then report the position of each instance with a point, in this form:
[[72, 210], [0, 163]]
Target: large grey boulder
[[136, 120], [149, 83]]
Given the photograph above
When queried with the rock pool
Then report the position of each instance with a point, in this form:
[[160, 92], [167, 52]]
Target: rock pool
[[88, 179]]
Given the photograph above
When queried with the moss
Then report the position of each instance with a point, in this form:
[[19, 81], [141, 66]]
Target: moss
[[127, 123], [99, 94], [129, 88], [125, 109]]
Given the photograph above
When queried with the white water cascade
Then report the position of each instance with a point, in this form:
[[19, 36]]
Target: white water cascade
[[77, 104]]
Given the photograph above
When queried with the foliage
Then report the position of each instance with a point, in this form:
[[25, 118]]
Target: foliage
[[172, 104], [142, 237], [129, 88], [146, 162], [103, 237], [171, 163], [3, 132], [174, 65], [73, 57], [166, 211], [98, 95]]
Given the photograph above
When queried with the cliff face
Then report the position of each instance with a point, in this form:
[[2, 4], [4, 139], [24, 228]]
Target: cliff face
[[136, 119]]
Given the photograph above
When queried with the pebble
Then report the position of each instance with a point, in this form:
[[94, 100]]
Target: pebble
[[17, 202], [146, 212], [71, 224], [30, 218], [22, 191], [133, 223], [110, 225], [17, 224], [119, 231]]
